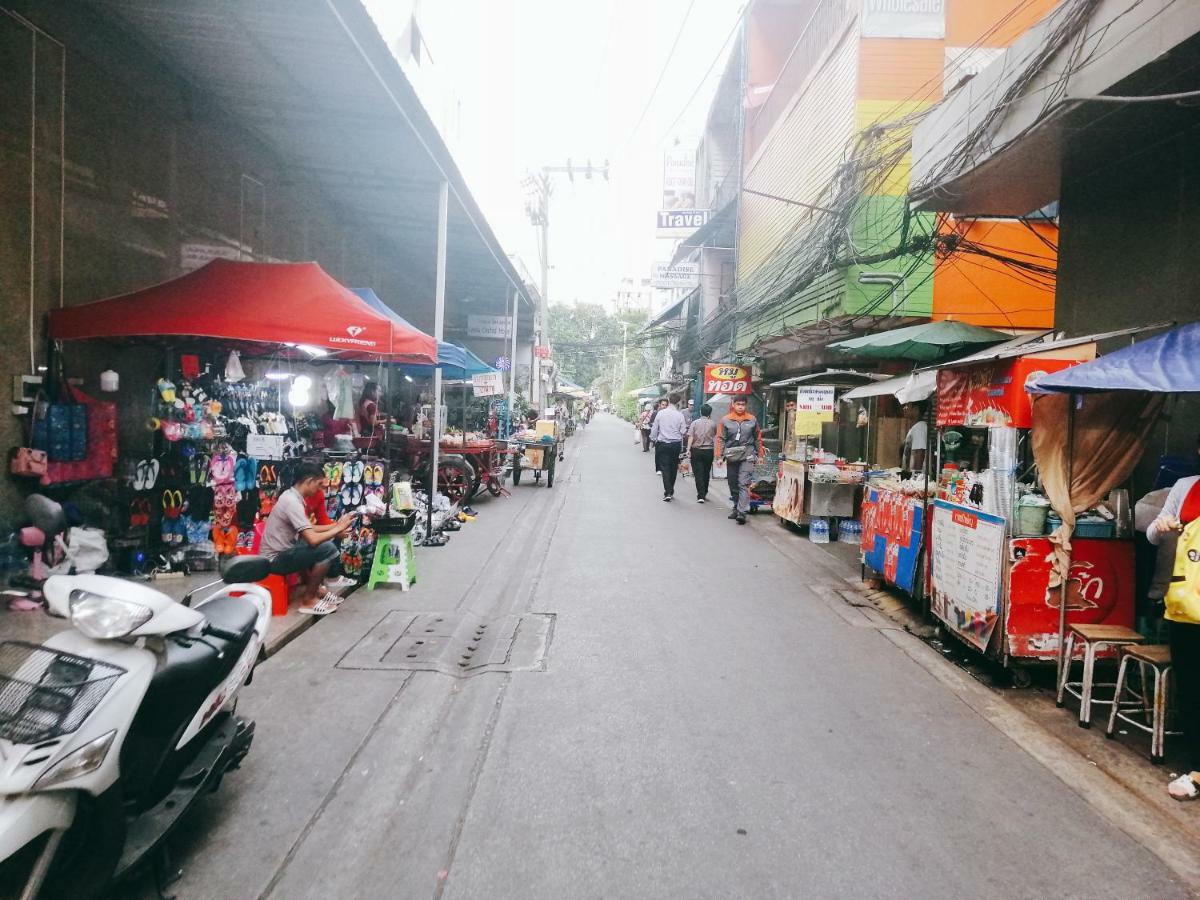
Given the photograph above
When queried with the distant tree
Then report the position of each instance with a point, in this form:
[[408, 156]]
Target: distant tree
[[587, 342]]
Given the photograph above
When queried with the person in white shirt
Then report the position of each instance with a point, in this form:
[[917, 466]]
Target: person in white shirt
[[667, 434], [916, 442]]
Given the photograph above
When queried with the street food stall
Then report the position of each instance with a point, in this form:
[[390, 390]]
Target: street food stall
[[990, 549], [1110, 407], [813, 481]]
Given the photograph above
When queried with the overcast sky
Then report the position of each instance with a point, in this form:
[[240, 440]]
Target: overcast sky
[[518, 84]]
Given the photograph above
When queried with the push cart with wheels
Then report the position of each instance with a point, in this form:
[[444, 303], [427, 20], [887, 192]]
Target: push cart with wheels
[[535, 457]]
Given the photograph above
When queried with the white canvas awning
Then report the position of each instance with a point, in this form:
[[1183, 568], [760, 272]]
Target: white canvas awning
[[911, 388]]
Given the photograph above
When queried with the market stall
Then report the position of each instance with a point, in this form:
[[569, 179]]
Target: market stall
[[234, 403], [814, 478], [1110, 406], [990, 549], [894, 508]]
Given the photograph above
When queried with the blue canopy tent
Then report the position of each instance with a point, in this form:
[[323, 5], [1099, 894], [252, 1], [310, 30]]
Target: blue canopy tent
[[457, 363], [1167, 363]]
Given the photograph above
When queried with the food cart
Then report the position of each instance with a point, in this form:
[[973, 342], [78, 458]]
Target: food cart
[[812, 481], [990, 571]]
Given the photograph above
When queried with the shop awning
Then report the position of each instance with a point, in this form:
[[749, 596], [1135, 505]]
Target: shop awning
[[249, 302], [924, 342], [910, 388], [649, 392], [1166, 363], [830, 376]]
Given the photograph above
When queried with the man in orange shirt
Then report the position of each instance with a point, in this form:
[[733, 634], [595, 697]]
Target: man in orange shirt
[[739, 443]]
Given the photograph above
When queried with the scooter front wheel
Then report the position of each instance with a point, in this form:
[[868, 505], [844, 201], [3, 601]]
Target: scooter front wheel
[[87, 856]]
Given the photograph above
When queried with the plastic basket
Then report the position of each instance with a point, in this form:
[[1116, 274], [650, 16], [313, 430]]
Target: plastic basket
[[1030, 518], [45, 694]]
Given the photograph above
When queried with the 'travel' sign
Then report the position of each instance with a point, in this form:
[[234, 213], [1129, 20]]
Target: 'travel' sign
[[680, 222], [722, 379]]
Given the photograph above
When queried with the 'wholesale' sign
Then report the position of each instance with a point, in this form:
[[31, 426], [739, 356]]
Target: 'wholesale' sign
[[904, 18]]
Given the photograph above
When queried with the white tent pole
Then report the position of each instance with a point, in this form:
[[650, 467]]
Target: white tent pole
[[512, 363], [439, 328]]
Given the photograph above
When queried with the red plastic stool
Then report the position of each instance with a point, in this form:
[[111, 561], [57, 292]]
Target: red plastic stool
[[278, 586]]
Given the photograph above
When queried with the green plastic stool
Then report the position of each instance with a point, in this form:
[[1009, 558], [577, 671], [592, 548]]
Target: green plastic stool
[[394, 562]]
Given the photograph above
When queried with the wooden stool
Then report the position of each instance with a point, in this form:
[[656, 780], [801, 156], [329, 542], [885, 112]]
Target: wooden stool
[[1093, 637], [1152, 710]]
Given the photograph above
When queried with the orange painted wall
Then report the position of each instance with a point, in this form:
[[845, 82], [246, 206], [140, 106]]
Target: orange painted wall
[[967, 21], [971, 288]]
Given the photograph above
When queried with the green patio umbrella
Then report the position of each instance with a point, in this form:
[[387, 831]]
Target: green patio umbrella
[[924, 343]]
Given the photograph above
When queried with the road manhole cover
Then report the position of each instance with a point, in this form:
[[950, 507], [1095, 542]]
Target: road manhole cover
[[453, 643]]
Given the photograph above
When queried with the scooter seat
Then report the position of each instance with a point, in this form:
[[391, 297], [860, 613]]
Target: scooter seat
[[235, 614]]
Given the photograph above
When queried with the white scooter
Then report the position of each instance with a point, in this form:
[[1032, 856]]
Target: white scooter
[[112, 729]]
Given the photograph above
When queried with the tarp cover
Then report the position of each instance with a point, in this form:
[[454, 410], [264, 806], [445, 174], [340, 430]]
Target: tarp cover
[[265, 303], [1167, 363]]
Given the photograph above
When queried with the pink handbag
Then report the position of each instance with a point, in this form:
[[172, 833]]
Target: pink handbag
[[28, 463]]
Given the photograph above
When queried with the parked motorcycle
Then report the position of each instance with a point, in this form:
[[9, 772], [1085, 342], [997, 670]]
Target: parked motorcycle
[[113, 728]]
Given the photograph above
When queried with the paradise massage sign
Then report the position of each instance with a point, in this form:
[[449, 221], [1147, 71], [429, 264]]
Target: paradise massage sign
[[726, 379]]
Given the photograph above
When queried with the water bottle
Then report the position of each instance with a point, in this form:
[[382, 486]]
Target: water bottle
[[818, 530]]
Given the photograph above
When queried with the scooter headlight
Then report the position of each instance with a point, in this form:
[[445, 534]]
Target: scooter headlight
[[103, 617], [87, 758]]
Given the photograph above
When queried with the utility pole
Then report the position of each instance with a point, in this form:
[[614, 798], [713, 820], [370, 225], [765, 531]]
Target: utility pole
[[538, 190]]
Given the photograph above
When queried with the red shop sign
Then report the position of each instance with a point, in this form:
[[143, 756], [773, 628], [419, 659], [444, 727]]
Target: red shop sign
[[991, 393], [727, 379]]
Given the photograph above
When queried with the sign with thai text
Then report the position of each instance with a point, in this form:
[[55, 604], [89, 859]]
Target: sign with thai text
[[489, 384], [814, 407], [968, 569], [726, 379]]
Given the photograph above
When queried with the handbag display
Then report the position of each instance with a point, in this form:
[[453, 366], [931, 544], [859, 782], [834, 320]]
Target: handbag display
[[27, 462]]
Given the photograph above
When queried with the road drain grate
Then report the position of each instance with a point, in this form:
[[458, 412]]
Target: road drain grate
[[453, 643]]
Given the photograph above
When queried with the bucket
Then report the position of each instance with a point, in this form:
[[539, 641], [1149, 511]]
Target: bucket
[[1030, 518]]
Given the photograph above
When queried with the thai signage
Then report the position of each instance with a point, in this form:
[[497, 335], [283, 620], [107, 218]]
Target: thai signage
[[893, 525], [681, 275], [991, 393], [904, 18], [814, 407], [726, 379], [968, 568], [488, 326], [489, 384]]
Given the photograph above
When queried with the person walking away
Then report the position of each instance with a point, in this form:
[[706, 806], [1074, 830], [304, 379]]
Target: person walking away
[[643, 426], [1180, 519], [667, 435], [690, 412], [658, 407], [293, 544], [700, 436], [739, 443]]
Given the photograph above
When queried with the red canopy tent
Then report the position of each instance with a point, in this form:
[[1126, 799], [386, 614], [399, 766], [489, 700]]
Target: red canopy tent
[[264, 303]]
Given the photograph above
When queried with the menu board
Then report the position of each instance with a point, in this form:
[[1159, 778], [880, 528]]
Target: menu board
[[968, 570], [814, 406]]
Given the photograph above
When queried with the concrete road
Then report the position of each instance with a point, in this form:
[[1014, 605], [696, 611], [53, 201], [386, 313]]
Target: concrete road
[[704, 723]]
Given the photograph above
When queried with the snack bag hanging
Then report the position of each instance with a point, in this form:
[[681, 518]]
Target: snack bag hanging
[[1183, 596]]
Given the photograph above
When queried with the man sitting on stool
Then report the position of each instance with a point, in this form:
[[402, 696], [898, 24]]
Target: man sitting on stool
[[294, 544]]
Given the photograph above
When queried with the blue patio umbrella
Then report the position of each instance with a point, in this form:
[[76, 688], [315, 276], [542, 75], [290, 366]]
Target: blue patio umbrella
[[457, 363]]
